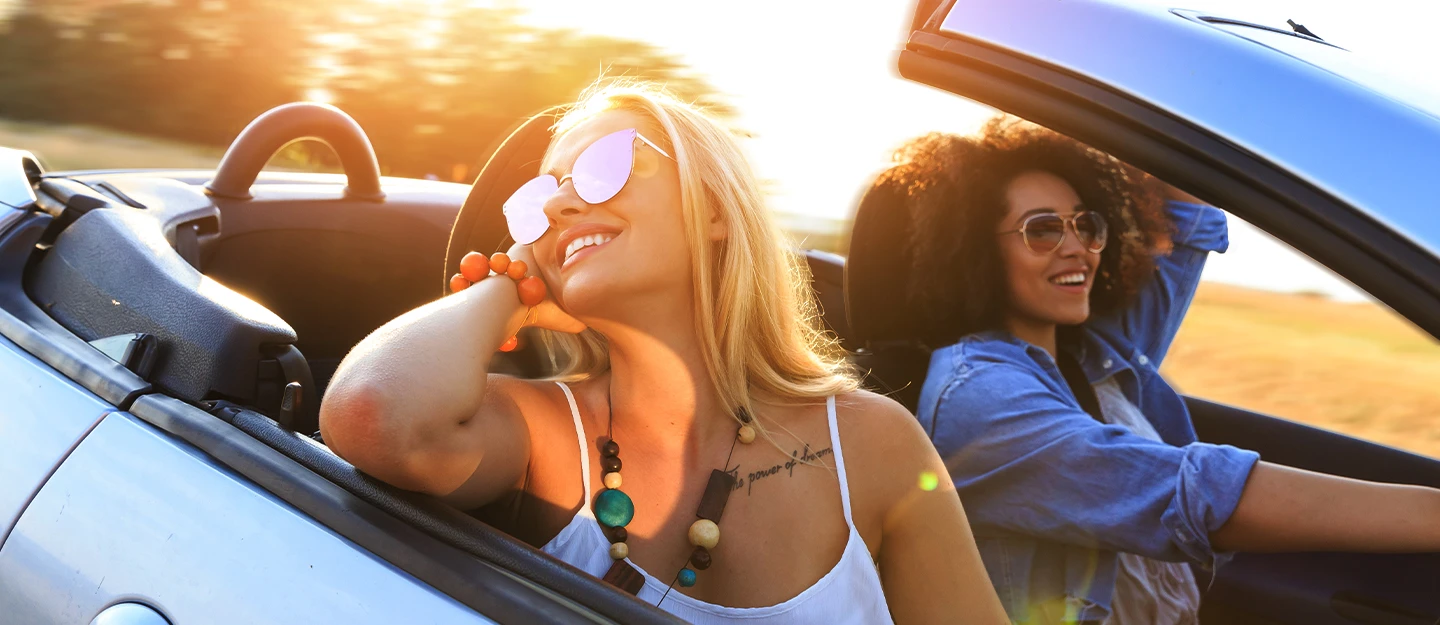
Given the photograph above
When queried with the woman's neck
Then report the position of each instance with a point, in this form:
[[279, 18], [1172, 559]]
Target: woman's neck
[[660, 388], [1038, 333]]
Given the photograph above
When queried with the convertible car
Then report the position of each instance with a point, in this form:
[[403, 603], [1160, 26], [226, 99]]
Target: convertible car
[[166, 336]]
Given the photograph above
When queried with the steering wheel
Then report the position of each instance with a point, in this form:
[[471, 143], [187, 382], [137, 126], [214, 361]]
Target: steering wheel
[[480, 225]]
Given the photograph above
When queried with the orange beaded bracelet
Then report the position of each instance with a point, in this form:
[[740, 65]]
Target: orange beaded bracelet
[[474, 267]]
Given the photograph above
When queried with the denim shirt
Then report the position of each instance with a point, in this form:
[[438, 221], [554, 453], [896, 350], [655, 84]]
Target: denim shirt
[[1051, 493]]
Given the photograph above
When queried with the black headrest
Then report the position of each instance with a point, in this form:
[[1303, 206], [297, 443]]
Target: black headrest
[[878, 270], [480, 226]]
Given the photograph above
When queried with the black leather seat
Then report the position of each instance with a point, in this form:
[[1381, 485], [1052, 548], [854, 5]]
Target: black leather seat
[[877, 273]]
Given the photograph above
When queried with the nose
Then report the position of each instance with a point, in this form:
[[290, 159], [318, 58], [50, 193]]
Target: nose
[[564, 204], [1072, 246]]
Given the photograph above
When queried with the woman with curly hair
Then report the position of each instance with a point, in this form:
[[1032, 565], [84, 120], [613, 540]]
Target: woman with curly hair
[[1058, 277]]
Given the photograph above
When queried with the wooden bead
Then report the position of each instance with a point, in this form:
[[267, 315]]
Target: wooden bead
[[619, 551], [613, 508], [624, 577], [510, 344], [611, 464], [619, 535], [717, 493], [613, 481], [475, 267], [516, 270], [746, 434], [531, 290], [686, 578], [704, 533], [499, 262], [700, 558], [458, 283], [610, 448]]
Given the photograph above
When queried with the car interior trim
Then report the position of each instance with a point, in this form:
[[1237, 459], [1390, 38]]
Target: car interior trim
[[34, 331], [18, 172], [1221, 422], [284, 124]]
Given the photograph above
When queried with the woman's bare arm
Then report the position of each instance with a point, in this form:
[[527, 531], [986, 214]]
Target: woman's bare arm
[[406, 403], [1287, 509]]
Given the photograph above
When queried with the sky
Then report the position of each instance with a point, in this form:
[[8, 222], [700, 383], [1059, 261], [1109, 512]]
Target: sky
[[816, 84]]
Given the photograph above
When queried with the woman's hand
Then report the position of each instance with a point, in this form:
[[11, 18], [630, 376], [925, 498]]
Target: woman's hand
[[547, 314]]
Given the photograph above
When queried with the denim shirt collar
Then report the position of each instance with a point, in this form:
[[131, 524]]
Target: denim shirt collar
[[1098, 359]]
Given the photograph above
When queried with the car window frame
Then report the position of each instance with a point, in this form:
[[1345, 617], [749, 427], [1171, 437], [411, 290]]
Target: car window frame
[[1347, 241]]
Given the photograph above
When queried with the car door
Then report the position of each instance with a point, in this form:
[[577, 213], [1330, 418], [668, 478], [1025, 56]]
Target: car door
[[100, 508], [42, 415], [135, 515], [42, 418], [1214, 106], [119, 500]]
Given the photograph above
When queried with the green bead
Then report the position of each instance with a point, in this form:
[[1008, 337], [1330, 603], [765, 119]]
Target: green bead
[[687, 578], [613, 508]]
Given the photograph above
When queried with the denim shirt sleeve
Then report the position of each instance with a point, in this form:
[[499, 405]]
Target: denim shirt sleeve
[[1026, 459], [1151, 321]]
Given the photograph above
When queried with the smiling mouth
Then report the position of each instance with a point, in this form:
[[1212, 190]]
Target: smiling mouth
[[586, 242], [1076, 278]]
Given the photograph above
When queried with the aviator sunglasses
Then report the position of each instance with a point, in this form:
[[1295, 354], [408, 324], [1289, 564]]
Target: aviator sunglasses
[[1045, 232], [599, 173]]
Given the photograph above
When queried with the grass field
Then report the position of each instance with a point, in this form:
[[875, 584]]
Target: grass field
[[1355, 368], [67, 147]]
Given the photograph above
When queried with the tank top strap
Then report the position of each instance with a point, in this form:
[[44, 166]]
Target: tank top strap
[[585, 448], [839, 459]]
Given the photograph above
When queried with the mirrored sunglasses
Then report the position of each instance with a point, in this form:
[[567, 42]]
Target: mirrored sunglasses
[[599, 173]]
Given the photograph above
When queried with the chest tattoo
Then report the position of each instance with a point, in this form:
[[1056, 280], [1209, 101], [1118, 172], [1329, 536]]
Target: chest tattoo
[[746, 478]]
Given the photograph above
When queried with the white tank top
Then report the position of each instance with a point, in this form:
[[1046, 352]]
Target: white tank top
[[849, 593]]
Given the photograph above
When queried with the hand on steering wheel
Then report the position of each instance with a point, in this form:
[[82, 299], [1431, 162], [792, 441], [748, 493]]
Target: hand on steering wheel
[[547, 314]]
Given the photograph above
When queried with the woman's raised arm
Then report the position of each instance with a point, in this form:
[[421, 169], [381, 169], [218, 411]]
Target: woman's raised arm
[[405, 403], [414, 403]]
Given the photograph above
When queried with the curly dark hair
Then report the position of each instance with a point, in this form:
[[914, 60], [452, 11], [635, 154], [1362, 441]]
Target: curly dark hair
[[954, 190]]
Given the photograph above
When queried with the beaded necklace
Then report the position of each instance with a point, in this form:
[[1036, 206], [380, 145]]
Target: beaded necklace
[[614, 510]]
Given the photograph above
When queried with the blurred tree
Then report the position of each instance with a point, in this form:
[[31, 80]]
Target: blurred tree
[[434, 84]]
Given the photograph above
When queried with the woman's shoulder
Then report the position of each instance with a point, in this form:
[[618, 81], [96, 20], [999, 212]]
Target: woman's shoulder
[[878, 434], [544, 405], [870, 410], [887, 455], [983, 357], [525, 394], [981, 348]]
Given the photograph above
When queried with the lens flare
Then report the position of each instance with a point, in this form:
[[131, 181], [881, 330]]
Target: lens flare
[[929, 481]]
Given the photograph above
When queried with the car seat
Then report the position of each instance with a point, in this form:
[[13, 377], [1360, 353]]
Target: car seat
[[877, 272], [480, 225]]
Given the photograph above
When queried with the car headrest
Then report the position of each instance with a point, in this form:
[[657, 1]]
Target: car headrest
[[480, 225], [877, 271]]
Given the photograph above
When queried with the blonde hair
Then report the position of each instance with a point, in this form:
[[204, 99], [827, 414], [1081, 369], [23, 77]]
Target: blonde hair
[[757, 320]]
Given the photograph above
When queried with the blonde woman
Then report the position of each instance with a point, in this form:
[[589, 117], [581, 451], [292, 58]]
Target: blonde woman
[[709, 450]]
